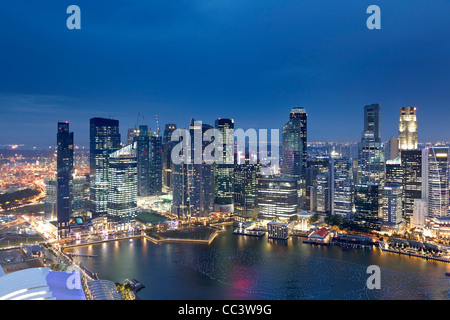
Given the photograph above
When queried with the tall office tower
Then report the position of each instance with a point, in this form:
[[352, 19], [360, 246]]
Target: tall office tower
[[342, 188], [167, 157], [437, 180], [392, 206], [321, 162], [310, 181], [294, 150], [200, 175], [407, 129], [156, 163], [371, 159], [322, 190], [64, 165], [372, 120], [367, 205], [223, 172], [412, 180], [180, 202], [293, 143], [122, 172], [143, 161], [391, 149], [394, 171], [131, 134], [80, 199], [246, 175], [50, 199], [420, 212], [277, 198], [104, 140]]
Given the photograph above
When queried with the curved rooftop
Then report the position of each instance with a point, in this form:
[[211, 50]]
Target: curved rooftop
[[41, 284]]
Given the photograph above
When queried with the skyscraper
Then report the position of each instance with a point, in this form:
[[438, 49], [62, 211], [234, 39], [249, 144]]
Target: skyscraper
[[436, 180], [392, 206], [342, 187], [122, 180], [143, 161], [104, 140], [371, 159], [407, 129], [246, 175], [277, 198], [367, 205], [64, 176], [294, 145], [294, 151], [167, 150], [156, 163], [223, 172], [372, 120], [411, 161]]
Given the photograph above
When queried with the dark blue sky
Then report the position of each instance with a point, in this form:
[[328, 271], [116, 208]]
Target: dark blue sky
[[252, 60]]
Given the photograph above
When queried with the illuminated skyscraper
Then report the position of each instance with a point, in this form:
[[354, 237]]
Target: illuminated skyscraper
[[167, 159], [104, 140], [246, 175], [64, 177], [436, 180], [223, 172], [143, 161], [342, 187], [407, 129], [156, 163], [372, 120], [371, 159], [122, 191], [277, 198], [392, 206], [294, 151], [411, 161], [367, 202]]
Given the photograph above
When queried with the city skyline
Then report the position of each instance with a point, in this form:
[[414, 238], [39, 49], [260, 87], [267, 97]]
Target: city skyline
[[207, 60]]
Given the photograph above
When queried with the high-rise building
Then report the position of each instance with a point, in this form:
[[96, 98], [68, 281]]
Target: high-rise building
[[199, 177], [294, 145], [411, 161], [372, 120], [246, 175], [294, 150], [80, 198], [371, 162], [167, 157], [407, 129], [392, 149], [277, 198], [342, 187], [131, 134], [64, 164], [143, 161], [156, 163], [392, 206], [367, 205], [223, 172], [394, 171], [104, 140], [122, 191], [420, 212], [436, 180], [50, 199], [323, 193]]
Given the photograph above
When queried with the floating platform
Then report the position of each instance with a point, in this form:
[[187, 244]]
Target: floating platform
[[250, 233]]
